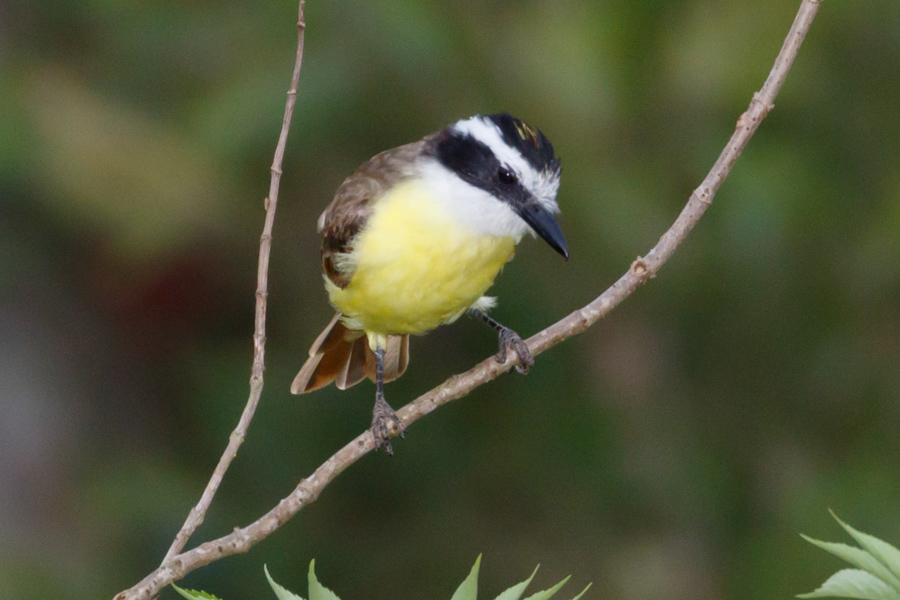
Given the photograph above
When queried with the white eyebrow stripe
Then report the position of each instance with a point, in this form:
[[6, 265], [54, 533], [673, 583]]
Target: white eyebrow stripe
[[544, 187], [487, 132]]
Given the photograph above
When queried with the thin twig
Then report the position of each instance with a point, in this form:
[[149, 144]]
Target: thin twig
[[195, 517], [642, 269]]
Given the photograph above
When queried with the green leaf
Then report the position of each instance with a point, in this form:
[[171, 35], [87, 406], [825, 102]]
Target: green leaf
[[516, 591], [548, 593], [858, 558], [578, 597], [280, 592], [884, 552], [194, 594], [468, 589], [319, 592], [854, 583]]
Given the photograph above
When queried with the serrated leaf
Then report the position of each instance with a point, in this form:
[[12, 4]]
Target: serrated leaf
[[858, 558], [316, 590], [854, 583], [194, 594], [280, 592], [548, 593], [516, 591], [884, 552], [578, 597], [468, 589]]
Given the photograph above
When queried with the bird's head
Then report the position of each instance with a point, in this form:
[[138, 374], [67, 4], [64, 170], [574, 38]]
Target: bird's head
[[502, 176]]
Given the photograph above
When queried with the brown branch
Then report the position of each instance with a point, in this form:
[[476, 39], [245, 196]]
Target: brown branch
[[195, 517], [642, 269]]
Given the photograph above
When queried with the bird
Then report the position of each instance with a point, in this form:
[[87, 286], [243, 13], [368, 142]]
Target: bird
[[414, 238]]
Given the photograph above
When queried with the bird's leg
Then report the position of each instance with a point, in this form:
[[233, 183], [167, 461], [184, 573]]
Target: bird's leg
[[509, 340], [382, 411]]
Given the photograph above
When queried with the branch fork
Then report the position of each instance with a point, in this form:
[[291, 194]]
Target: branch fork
[[177, 563]]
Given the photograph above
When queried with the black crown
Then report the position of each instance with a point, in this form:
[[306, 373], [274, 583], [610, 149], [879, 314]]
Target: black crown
[[530, 142]]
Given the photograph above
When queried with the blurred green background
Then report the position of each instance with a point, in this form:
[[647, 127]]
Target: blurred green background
[[674, 451]]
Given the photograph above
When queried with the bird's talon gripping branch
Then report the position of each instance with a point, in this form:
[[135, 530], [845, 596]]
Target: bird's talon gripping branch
[[382, 415], [510, 340]]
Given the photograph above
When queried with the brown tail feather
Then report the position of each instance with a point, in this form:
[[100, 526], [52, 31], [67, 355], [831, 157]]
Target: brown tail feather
[[343, 356], [354, 370], [396, 358]]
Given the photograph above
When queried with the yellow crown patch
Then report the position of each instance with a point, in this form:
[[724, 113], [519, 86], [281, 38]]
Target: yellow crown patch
[[528, 134]]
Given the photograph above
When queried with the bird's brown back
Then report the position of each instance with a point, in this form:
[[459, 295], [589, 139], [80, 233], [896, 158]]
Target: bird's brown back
[[354, 201]]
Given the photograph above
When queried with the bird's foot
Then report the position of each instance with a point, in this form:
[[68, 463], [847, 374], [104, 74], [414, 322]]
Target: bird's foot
[[510, 340], [384, 419]]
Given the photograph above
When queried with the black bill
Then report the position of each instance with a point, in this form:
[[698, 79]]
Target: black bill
[[544, 224]]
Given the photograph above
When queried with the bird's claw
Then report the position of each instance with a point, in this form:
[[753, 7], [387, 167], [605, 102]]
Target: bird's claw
[[384, 420], [510, 340]]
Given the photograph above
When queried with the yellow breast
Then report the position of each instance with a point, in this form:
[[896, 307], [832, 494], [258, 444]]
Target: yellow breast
[[416, 267]]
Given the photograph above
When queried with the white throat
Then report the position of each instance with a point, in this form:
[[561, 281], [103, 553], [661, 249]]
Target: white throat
[[473, 207]]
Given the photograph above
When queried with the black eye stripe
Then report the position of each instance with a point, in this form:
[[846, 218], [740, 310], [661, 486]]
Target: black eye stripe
[[475, 162], [469, 158]]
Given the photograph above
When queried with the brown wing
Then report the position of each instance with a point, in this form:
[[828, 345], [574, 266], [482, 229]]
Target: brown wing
[[353, 203]]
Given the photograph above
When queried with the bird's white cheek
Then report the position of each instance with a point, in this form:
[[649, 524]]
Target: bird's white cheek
[[473, 207], [490, 216]]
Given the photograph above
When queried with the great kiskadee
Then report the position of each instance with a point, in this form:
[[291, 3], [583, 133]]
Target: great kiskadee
[[415, 237]]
